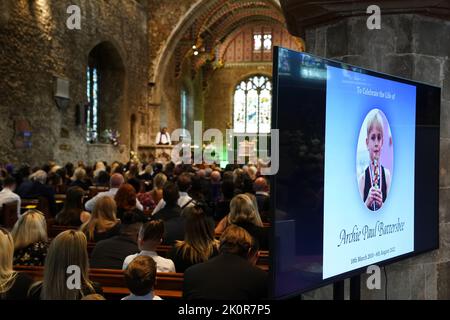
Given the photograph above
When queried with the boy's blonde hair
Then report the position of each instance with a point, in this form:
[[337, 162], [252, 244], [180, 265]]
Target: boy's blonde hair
[[375, 121]]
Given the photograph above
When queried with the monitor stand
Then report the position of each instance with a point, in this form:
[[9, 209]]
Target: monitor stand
[[355, 289]]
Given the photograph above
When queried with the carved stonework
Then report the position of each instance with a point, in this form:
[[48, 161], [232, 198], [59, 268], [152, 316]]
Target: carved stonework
[[303, 14]]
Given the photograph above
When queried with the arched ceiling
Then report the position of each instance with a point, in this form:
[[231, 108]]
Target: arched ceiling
[[208, 23], [219, 20], [223, 17]]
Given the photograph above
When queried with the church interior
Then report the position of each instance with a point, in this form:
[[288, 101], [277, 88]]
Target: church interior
[[87, 86]]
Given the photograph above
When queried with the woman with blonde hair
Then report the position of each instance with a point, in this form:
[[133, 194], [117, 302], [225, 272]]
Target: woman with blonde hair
[[30, 239], [99, 166], [158, 184], [199, 244], [67, 250], [79, 179], [103, 223], [244, 213], [13, 285]]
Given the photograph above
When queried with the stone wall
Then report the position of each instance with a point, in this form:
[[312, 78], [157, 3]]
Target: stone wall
[[163, 18], [212, 104], [414, 47], [171, 96], [107, 151], [219, 95], [36, 47]]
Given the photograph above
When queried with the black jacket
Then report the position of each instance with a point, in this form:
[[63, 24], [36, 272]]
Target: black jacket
[[37, 190], [110, 253], [19, 290], [260, 234], [225, 277], [174, 223]]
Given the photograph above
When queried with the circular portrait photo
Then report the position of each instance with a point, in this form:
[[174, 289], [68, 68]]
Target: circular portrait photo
[[374, 160]]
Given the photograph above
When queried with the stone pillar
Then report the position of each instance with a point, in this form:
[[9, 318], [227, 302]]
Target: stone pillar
[[5, 11]]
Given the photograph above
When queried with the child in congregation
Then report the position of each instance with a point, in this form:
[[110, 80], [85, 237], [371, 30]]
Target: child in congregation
[[140, 278], [150, 237]]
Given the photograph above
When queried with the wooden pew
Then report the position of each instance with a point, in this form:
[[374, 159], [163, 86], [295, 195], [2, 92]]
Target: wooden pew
[[40, 204], [61, 189], [161, 250], [263, 257], [8, 215], [44, 207], [28, 204], [168, 285], [93, 191], [53, 230]]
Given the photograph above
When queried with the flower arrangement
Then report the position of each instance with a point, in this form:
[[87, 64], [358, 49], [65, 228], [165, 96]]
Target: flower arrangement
[[111, 136], [134, 157]]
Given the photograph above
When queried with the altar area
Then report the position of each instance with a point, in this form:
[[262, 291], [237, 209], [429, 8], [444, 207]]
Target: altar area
[[159, 153], [239, 151]]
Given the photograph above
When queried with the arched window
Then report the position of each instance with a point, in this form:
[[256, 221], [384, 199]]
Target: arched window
[[184, 108], [92, 110], [253, 105], [105, 85], [187, 107]]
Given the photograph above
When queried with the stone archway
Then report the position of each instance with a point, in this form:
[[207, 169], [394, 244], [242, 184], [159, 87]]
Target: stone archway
[[106, 74]]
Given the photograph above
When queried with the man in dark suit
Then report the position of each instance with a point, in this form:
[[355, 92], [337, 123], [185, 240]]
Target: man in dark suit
[[38, 188], [223, 205], [262, 195], [171, 215], [232, 275], [111, 253]]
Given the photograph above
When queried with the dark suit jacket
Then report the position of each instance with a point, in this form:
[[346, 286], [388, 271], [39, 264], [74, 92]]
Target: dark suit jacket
[[110, 253], [78, 183], [24, 188], [222, 209], [37, 190], [225, 277], [174, 223], [263, 203], [216, 191], [260, 234]]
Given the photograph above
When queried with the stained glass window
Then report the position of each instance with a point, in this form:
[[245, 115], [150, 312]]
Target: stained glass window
[[92, 111], [257, 42], [184, 108], [267, 42], [252, 105]]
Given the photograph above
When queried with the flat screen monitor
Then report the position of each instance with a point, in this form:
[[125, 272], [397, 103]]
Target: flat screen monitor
[[358, 179]]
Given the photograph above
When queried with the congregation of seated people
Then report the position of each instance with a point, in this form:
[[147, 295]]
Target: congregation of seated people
[[120, 216]]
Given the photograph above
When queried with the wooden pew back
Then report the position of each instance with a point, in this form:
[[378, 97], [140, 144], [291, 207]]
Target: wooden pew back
[[94, 190], [168, 285], [8, 215], [54, 230]]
